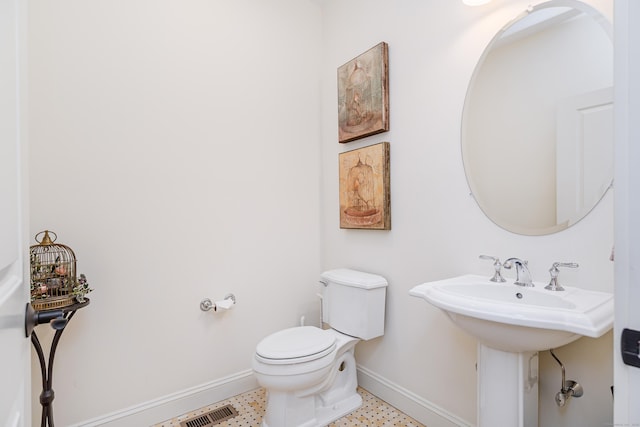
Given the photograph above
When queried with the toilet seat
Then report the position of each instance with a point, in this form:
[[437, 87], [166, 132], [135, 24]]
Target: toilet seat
[[296, 345]]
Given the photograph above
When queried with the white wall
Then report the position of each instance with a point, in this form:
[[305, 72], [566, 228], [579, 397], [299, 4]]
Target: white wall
[[174, 147], [437, 229]]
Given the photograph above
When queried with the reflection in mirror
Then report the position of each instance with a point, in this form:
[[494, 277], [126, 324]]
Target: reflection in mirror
[[537, 126]]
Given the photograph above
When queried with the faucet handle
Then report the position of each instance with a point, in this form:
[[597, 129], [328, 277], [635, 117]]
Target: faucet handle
[[497, 265], [553, 271]]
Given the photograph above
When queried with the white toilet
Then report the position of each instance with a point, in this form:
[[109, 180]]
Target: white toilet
[[310, 373]]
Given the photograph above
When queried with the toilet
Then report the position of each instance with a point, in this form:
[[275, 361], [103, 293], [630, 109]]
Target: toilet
[[310, 373]]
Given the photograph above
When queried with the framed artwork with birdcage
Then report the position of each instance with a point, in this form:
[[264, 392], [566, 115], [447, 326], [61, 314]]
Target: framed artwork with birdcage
[[363, 94], [365, 200]]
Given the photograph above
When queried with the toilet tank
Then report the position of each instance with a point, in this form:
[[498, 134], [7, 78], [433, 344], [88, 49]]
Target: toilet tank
[[353, 302]]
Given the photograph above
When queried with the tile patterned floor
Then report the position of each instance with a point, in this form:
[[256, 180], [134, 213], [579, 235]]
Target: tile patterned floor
[[373, 413]]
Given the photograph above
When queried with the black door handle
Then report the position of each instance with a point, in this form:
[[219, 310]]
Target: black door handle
[[630, 342]]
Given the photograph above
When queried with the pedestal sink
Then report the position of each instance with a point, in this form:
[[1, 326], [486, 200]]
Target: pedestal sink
[[511, 324]]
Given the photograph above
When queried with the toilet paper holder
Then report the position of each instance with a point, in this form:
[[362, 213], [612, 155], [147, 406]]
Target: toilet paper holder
[[226, 303]]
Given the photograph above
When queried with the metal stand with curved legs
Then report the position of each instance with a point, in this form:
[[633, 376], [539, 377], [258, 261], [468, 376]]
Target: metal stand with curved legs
[[58, 320]]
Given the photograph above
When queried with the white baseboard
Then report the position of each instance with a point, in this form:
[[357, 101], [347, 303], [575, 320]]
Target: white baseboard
[[410, 403], [170, 406]]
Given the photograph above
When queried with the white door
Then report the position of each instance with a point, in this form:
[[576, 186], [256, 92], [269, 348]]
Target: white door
[[14, 346], [584, 125], [627, 204]]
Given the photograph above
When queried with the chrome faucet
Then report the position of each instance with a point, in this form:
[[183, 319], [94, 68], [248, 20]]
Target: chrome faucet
[[523, 276]]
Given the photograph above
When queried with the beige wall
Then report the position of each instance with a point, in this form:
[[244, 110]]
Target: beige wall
[[174, 146], [189, 149], [438, 230]]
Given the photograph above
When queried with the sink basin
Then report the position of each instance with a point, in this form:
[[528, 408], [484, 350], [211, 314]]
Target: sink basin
[[517, 319]]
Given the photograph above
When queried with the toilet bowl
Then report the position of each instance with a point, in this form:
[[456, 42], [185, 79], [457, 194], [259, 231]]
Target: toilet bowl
[[307, 385], [310, 373]]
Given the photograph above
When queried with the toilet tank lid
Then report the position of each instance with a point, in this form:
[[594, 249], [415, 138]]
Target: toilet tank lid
[[357, 279]]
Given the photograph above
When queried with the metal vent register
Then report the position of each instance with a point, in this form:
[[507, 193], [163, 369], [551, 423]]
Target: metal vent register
[[212, 418]]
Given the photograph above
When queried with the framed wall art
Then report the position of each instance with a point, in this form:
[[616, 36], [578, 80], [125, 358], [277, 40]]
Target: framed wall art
[[363, 94], [364, 188]]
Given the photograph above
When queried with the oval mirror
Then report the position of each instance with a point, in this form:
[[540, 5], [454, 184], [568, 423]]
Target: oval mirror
[[537, 124]]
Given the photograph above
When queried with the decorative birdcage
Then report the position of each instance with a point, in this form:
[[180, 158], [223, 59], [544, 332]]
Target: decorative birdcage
[[53, 274]]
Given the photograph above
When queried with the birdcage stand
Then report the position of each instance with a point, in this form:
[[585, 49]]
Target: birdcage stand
[[58, 319]]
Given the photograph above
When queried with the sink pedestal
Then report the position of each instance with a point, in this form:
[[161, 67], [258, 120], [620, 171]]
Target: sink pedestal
[[507, 388]]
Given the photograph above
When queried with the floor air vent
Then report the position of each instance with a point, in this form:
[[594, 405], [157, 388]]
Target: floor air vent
[[212, 418]]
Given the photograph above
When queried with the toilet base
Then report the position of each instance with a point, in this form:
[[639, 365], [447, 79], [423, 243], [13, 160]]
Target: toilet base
[[324, 415], [327, 415]]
